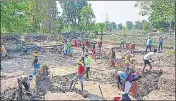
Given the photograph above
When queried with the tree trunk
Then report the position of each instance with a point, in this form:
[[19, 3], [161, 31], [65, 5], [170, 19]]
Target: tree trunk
[[170, 28], [174, 28]]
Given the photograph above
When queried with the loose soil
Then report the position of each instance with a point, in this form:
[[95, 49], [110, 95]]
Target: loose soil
[[156, 85]]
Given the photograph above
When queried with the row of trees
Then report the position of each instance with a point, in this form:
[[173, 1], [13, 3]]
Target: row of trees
[[30, 16], [138, 25], [43, 17]]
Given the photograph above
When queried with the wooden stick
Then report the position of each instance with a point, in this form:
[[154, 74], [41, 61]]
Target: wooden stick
[[100, 90]]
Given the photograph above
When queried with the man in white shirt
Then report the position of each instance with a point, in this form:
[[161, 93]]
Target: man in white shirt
[[147, 57]]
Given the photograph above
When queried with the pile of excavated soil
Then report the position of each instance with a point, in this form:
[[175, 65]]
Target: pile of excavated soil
[[43, 81], [166, 84], [148, 83], [158, 95], [35, 38]]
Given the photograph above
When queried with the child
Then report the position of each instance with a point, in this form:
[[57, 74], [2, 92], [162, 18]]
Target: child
[[88, 65], [79, 75], [126, 82], [147, 57]]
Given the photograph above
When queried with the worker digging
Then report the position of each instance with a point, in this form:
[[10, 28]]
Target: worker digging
[[88, 50], [124, 82], [126, 79]]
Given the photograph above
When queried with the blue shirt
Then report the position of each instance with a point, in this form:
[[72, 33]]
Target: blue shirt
[[122, 75], [160, 41], [149, 42], [36, 65]]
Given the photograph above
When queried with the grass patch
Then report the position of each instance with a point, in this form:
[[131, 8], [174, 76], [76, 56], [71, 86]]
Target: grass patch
[[170, 53]]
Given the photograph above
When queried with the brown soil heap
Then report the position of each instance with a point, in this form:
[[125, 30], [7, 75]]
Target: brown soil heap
[[43, 81]]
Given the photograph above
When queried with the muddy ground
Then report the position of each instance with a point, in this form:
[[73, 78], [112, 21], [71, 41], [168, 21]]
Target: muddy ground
[[155, 85]]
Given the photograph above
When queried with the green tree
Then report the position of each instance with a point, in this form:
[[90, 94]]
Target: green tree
[[147, 27], [25, 17], [120, 26], [138, 25], [113, 24], [160, 13], [87, 16], [71, 12], [129, 25], [14, 17]]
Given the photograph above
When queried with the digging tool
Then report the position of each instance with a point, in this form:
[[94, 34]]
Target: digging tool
[[74, 84], [100, 90]]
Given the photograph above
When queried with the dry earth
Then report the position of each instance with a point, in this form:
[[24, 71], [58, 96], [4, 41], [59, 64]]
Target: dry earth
[[154, 85]]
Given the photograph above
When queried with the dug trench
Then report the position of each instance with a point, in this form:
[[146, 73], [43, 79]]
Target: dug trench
[[152, 83], [149, 82]]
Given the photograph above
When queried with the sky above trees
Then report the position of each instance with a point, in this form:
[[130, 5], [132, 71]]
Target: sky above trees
[[117, 11]]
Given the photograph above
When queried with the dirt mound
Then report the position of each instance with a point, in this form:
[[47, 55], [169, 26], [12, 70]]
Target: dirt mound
[[166, 84], [9, 93], [149, 82], [61, 84], [72, 35], [103, 76], [63, 81], [43, 81], [35, 38], [14, 38]]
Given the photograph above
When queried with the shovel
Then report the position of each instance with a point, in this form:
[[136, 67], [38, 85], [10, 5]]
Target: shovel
[[100, 90]]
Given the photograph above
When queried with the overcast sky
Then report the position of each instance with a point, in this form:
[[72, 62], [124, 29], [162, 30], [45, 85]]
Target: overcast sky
[[117, 11]]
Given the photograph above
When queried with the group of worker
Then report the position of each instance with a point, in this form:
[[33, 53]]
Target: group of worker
[[26, 79], [124, 78], [149, 44]]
